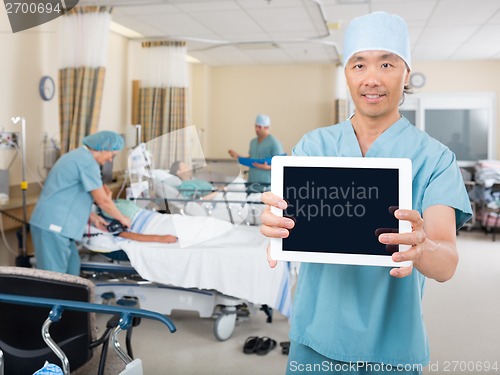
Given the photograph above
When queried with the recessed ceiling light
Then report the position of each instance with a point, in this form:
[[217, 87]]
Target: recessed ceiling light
[[124, 31]]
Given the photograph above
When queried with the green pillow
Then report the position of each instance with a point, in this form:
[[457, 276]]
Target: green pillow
[[126, 207]]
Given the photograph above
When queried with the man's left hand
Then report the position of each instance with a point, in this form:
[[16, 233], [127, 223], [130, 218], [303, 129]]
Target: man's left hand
[[417, 239]]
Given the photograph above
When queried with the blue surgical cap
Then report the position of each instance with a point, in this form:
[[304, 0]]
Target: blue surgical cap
[[104, 141], [263, 120], [378, 31]]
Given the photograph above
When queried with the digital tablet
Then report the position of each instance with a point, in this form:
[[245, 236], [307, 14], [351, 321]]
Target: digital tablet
[[340, 205]]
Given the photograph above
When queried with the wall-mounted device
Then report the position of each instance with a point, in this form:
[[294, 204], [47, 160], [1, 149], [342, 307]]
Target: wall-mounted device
[[9, 140]]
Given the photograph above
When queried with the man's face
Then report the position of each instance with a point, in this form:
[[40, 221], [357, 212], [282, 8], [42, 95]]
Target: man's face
[[376, 81], [261, 130]]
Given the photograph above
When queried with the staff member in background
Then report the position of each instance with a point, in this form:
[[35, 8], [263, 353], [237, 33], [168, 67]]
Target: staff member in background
[[361, 319], [66, 200], [262, 147]]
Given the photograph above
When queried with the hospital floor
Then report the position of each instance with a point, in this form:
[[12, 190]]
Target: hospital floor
[[462, 318]]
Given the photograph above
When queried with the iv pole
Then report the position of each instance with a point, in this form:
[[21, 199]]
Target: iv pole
[[22, 260]]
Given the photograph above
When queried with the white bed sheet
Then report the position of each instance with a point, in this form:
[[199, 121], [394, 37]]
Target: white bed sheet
[[234, 263]]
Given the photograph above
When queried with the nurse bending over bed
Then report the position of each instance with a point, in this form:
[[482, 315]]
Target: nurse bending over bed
[[65, 203]]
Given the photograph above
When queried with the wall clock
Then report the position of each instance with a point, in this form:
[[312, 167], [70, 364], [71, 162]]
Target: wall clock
[[417, 80], [47, 88]]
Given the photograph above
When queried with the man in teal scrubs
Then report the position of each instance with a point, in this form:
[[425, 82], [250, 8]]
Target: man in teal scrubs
[[361, 319], [264, 146], [65, 203]]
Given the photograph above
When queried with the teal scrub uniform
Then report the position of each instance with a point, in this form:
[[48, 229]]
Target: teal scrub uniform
[[269, 147], [360, 313], [195, 188], [62, 211]]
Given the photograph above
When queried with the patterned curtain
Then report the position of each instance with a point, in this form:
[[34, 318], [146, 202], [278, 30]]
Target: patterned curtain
[[163, 99], [84, 36]]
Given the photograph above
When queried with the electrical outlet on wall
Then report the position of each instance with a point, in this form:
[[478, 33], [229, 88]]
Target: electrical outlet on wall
[[9, 140]]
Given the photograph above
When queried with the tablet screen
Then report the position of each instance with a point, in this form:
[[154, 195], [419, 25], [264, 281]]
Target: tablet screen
[[339, 210]]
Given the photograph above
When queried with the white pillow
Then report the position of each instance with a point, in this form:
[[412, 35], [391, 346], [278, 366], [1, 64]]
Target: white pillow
[[103, 242], [160, 175]]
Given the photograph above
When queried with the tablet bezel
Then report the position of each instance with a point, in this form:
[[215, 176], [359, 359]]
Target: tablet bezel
[[404, 168]]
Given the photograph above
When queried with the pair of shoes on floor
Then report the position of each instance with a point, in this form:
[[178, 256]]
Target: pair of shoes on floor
[[258, 345]]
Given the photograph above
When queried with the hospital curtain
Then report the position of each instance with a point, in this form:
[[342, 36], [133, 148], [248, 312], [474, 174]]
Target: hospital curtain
[[163, 108], [83, 45]]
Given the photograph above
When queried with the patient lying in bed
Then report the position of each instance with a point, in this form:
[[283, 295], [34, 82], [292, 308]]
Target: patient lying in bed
[[151, 226]]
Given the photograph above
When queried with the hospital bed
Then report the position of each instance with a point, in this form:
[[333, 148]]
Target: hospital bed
[[236, 201], [213, 268]]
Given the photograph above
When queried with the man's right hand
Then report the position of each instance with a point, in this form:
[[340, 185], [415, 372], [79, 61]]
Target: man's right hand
[[274, 226]]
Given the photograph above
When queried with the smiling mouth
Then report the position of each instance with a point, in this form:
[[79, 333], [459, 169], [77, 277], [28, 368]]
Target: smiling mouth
[[372, 96]]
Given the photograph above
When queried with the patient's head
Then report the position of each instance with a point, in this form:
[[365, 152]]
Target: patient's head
[[181, 170]]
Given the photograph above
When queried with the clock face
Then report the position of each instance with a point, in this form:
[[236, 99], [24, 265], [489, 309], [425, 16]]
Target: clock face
[[417, 80], [47, 88]]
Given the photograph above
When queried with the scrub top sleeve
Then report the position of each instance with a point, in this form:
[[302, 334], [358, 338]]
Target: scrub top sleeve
[[91, 177], [302, 148], [446, 187], [277, 148]]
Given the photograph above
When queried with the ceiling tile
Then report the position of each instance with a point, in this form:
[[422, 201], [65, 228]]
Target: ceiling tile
[[378, 2], [434, 52], [473, 51], [344, 13], [296, 34], [410, 11], [274, 56], [495, 19], [463, 12], [306, 52], [446, 34], [135, 24], [244, 37], [226, 21], [232, 56], [150, 9], [207, 6], [486, 34], [270, 4], [281, 20], [177, 24]]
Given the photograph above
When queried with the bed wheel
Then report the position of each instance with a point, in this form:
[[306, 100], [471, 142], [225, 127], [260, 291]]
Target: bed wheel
[[225, 323]]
